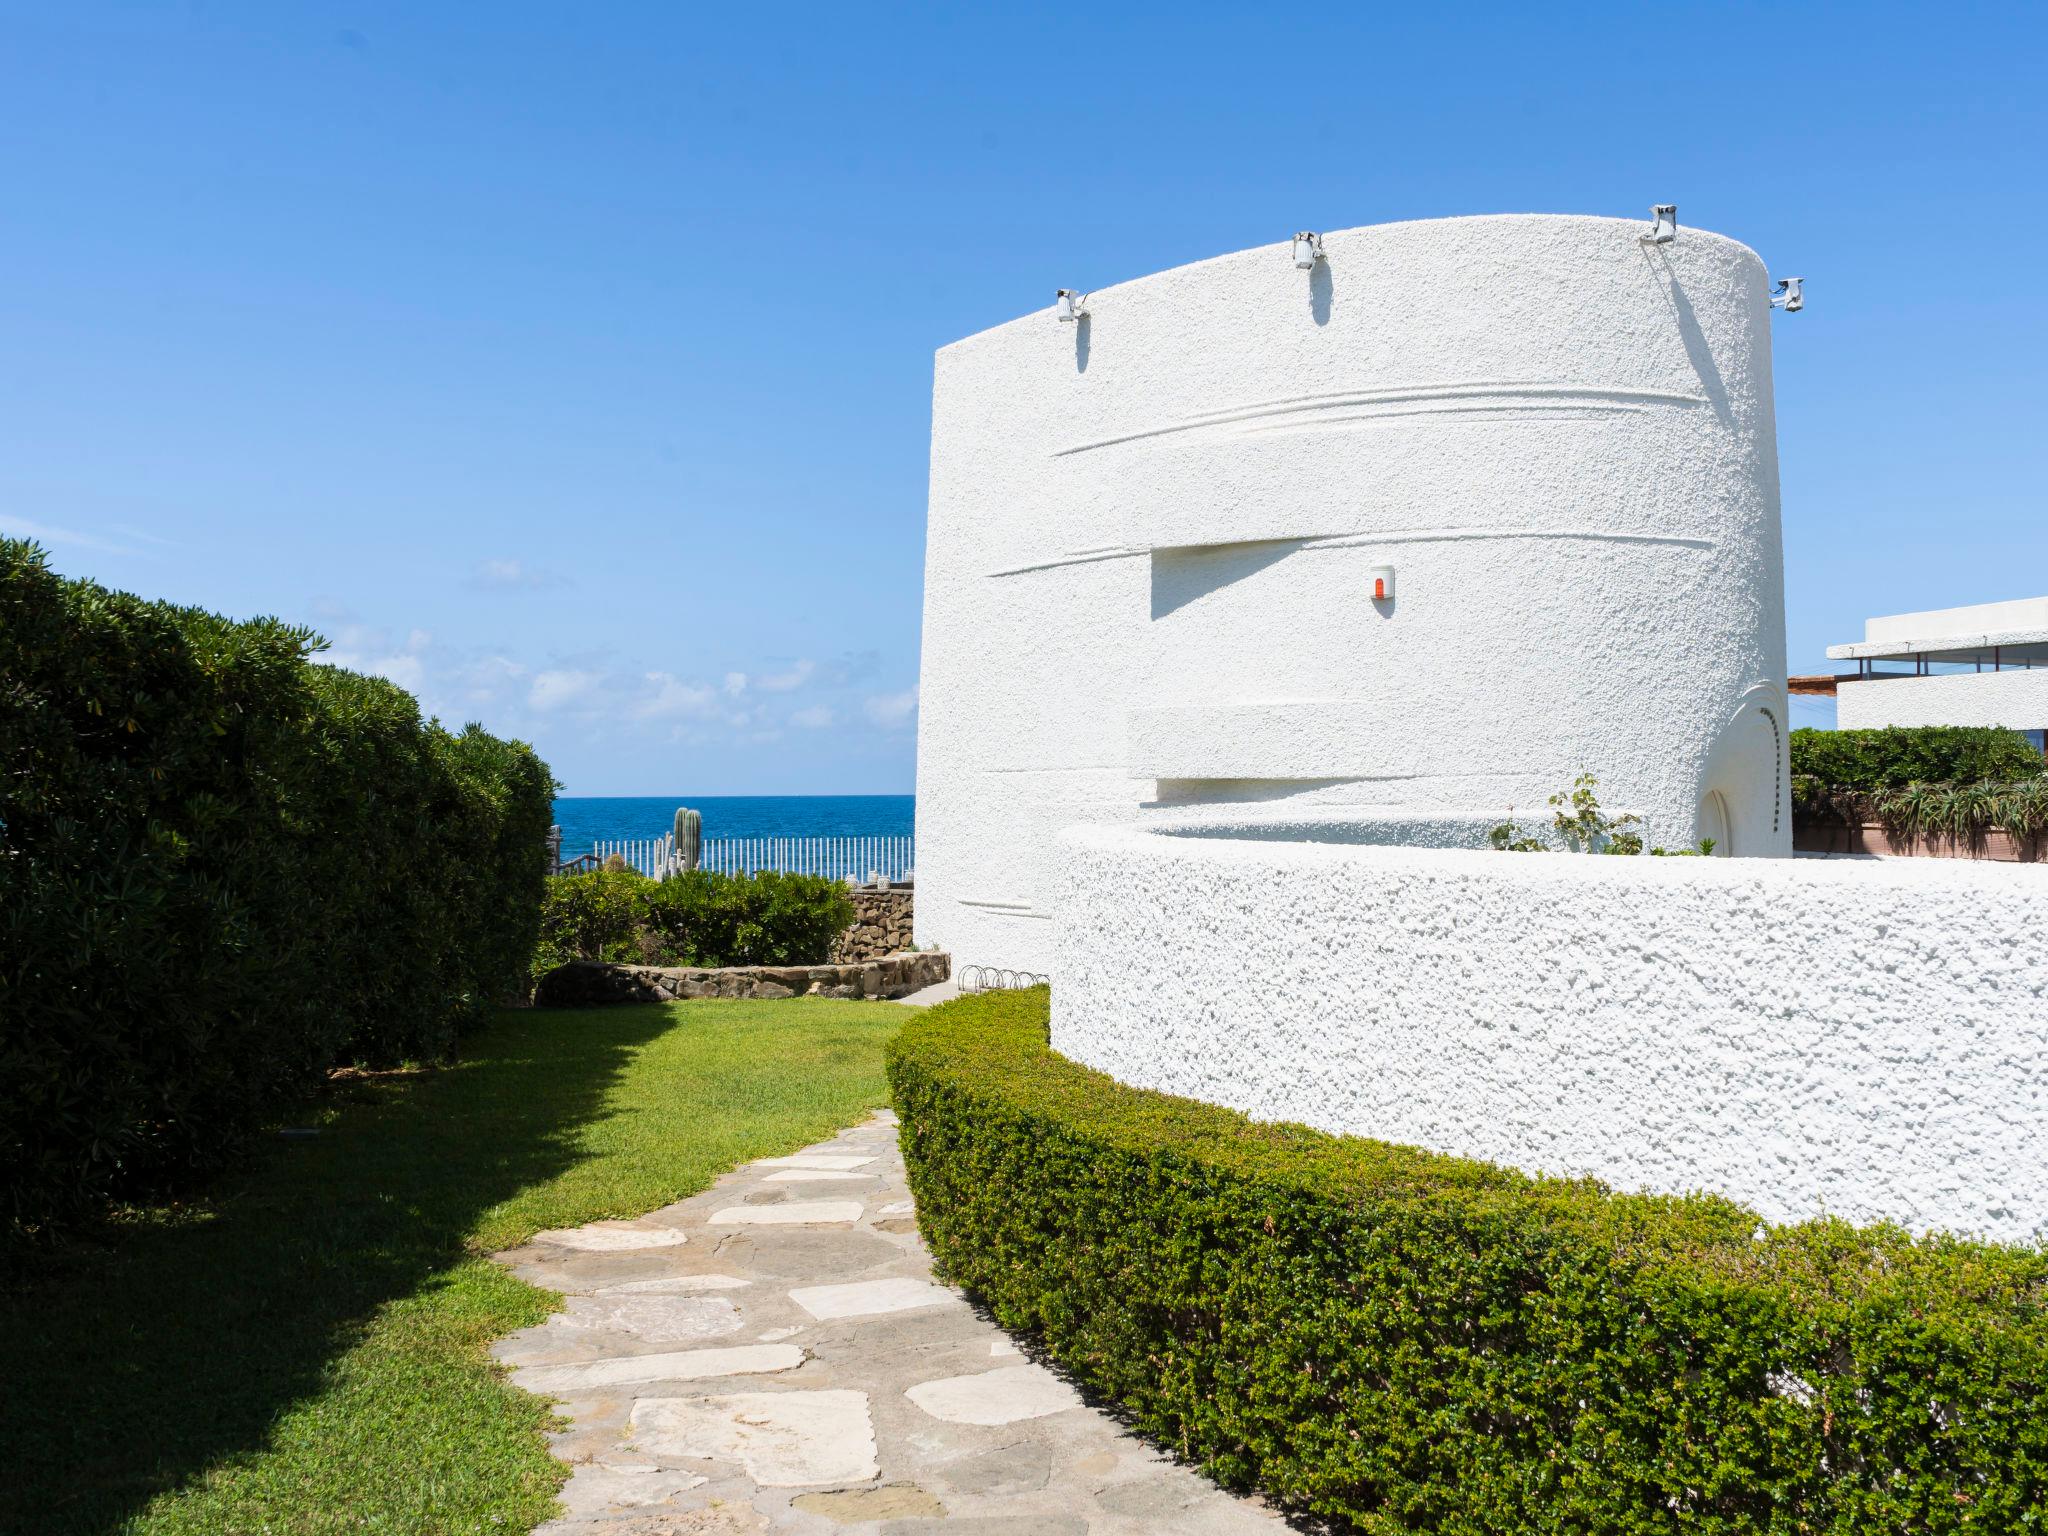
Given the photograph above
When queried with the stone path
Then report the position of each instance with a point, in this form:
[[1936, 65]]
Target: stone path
[[772, 1356]]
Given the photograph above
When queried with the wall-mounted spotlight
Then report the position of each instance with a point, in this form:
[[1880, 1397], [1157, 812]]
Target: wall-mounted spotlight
[[1788, 295], [1664, 224], [1070, 305], [1308, 249]]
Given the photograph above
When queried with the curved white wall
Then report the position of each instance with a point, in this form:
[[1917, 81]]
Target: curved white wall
[[1151, 533], [1868, 1038]]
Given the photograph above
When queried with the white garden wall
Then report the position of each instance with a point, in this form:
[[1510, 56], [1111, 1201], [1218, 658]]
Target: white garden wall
[[1152, 536], [2015, 699], [1867, 1038]]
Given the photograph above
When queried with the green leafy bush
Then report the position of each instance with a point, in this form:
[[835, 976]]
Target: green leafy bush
[[1896, 756], [1409, 1342], [700, 917], [222, 870], [1943, 782], [595, 915]]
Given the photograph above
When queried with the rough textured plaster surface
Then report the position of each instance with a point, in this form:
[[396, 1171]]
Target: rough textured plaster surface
[[2015, 699], [1867, 1038], [1151, 538]]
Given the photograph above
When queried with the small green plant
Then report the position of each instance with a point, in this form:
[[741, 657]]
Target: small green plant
[[1580, 824], [1705, 849]]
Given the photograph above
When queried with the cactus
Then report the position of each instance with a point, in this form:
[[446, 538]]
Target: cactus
[[689, 837]]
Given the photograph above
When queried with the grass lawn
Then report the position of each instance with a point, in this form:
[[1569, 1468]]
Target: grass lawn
[[304, 1350]]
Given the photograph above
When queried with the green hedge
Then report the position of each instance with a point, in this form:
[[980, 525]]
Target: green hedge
[[1410, 1342], [698, 918], [224, 869], [1896, 756]]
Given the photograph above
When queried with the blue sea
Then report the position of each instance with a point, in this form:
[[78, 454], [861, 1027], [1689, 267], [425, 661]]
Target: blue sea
[[586, 818]]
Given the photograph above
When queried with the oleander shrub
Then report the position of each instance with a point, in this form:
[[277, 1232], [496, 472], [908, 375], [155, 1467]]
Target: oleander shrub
[[223, 870], [700, 917], [1895, 756], [1392, 1340]]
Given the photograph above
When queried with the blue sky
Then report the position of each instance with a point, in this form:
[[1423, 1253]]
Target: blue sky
[[572, 364]]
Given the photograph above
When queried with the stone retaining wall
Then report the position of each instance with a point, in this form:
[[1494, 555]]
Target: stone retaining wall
[[881, 926], [585, 983]]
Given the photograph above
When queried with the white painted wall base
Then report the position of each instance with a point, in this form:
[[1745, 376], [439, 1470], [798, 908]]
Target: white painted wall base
[[1863, 1038]]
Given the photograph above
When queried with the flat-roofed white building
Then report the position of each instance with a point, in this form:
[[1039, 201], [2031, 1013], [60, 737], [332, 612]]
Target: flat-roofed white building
[[1986, 664]]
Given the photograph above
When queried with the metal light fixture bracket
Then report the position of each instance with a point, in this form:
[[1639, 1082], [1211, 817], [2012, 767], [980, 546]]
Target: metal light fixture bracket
[[1664, 226]]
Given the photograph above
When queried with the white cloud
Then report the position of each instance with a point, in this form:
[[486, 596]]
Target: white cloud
[[892, 709], [490, 679], [43, 533], [784, 682], [672, 696], [816, 718], [735, 683], [409, 672], [513, 575], [558, 687], [373, 653]]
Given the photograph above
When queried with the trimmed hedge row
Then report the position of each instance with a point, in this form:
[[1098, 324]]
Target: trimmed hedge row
[[701, 917], [1895, 756], [1403, 1341], [223, 870]]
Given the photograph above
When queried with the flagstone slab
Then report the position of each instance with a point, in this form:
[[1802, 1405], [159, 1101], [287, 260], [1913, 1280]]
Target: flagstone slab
[[790, 1213], [803, 1255], [1005, 1395], [850, 1506], [819, 1162], [613, 1237], [673, 1285], [783, 1439], [819, 1176], [871, 1298], [597, 1491], [990, 1525], [1022, 1467], [672, 1365], [658, 1319]]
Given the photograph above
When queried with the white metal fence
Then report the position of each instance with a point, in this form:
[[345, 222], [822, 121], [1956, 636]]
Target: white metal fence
[[840, 858]]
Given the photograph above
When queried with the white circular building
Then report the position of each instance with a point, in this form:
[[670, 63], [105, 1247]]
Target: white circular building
[[1461, 510]]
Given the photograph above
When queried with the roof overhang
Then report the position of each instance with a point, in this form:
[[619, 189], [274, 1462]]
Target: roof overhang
[[2024, 644]]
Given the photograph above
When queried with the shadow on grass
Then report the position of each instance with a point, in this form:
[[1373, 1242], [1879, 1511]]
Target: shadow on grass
[[171, 1341]]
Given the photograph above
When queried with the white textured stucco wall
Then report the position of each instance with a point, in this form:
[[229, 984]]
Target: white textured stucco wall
[[2018, 700], [1868, 1038], [1150, 538]]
